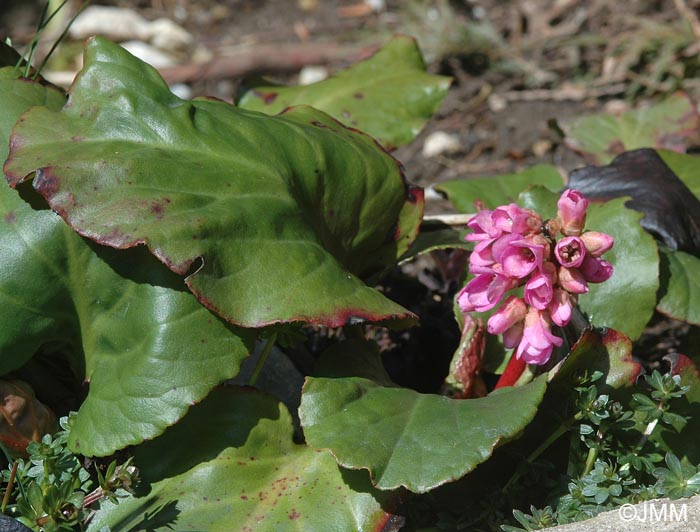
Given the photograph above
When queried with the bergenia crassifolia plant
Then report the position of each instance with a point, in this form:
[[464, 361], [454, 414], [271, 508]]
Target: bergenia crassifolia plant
[[152, 244], [553, 260]]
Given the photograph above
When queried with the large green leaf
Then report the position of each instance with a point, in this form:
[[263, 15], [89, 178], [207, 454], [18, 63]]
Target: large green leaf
[[626, 301], [409, 439], [277, 218], [666, 124], [125, 323], [389, 96], [230, 464], [681, 299], [148, 348], [499, 190]]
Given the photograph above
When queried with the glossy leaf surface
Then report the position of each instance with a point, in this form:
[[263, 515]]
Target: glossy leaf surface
[[681, 298], [231, 465], [390, 96], [409, 439], [125, 323], [277, 218], [668, 124], [147, 346]]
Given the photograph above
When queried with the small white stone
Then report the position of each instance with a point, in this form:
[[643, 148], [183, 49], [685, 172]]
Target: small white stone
[[117, 23], [433, 195], [497, 103], [166, 35], [181, 90], [440, 142], [312, 74], [376, 5], [149, 54]]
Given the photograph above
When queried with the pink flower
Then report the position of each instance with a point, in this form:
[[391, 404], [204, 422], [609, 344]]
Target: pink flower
[[484, 292], [597, 243], [502, 243], [596, 270], [560, 308], [571, 211], [540, 287], [511, 312], [572, 280], [482, 227], [522, 256], [512, 249], [481, 258], [538, 341], [514, 219], [570, 251]]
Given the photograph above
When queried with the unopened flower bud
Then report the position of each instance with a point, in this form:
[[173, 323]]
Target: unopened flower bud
[[561, 307], [596, 270], [511, 312], [571, 211], [572, 280], [597, 243]]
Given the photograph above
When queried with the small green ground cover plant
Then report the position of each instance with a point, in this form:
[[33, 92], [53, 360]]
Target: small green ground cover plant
[[152, 244]]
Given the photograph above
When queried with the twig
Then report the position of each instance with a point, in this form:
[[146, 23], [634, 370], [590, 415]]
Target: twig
[[569, 93], [10, 485], [449, 219], [287, 57]]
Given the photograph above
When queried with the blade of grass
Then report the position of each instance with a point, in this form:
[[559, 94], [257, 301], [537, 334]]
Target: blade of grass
[[62, 36]]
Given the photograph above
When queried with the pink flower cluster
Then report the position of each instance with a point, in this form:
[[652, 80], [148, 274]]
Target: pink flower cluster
[[514, 248]]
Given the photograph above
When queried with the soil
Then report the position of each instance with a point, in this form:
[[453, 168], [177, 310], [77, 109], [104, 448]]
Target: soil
[[517, 67]]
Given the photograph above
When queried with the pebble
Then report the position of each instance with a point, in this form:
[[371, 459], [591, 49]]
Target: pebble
[[440, 142]]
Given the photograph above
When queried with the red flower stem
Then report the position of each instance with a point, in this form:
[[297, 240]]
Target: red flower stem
[[514, 370]]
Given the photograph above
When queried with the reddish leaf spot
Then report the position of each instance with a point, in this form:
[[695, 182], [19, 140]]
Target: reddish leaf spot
[[10, 217], [680, 362], [294, 514], [415, 194], [266, 97], [46, 182], [358, 95]]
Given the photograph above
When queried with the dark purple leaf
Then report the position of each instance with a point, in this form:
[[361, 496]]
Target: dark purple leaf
[[672, 212]]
